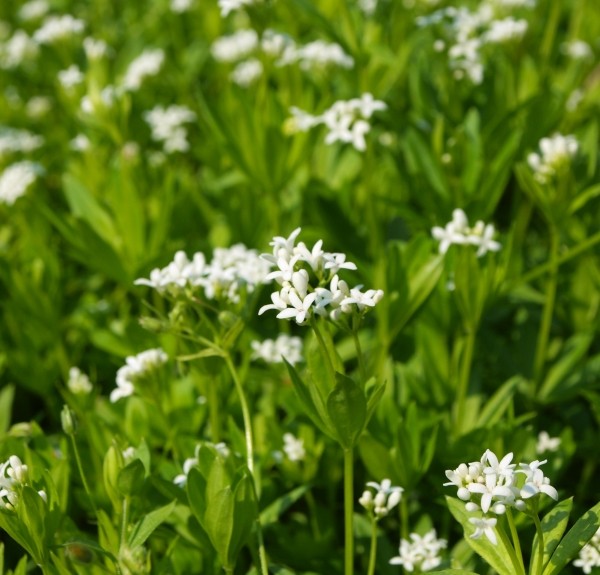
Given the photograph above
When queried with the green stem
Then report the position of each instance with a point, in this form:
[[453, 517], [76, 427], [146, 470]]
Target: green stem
[[324, 350], [373, 554], [213, 412], [540, 535], [463, 382], [249, 456], [360, 357], [517, 565], [515, 538], [82, 474], [349, 511], [403, 510], [314, 520], [124, 520], [544, 332]]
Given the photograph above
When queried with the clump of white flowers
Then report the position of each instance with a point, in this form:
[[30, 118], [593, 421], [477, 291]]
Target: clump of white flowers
[[97, 102], [33, 10], [465, 33], [94, 48], [229, 272], [317, 53], [546, 443], [247, 72], [346, 120], [420, 552], [293, 447], [556, 155], [148, 63], [234, 47], [458, 232], [56, 28], [79, 383], [16, 179], [70, 77], [15, 51], [386, 497], [228, 6], [137, 368], [276, 350], [14, 475], [15, 140], [491, 486], [577, 49], [589, 556], [167, 125], [310, 284]]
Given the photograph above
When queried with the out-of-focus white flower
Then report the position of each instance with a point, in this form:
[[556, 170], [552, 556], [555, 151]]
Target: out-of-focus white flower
[[95, 103], [80, 143], [577, 49], [33, 10], [276, 350], [17, 50], [181, 6], [535, 481], [15, 180], [79, 383], [148, 63], [13, 140], [38, 106], [505, 30], [247, 72], [385, 499], [70, 77], [293, 447], [14, 474], [589, 556], [167, 126], [368, 7], [556, 154], [420, 552], [458, 232], [94, 48], [56, 28], [136, 368], [274, 43], [547, 443], [235, 46], [484, 526], [317, 53], [228, 6]]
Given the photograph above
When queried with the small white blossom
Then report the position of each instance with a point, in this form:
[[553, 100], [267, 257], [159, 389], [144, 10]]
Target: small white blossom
[[589, 556], [535, 481], [234, 47], [70, 77], [386, 497], [16, 179], [228, 6], [80, 143], [274, 351], [95, 103], [556, 154], [181, 6], [17, 50], [247, 72], [33, 10], [79, 383], [458, 232], [420, 552], [484, 526], [136, 368], [148, 63], [293, 447], [577, 50], [38, 106], [13, 140], [547, 443], [56, 28], [167, 125], [94, 48]]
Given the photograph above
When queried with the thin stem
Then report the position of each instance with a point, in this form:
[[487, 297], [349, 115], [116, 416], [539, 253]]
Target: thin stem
[[360, 356], [314, 520], [540, 536], [465, 376], [124, 520], [544, 332], [373, 554], [82, 474], [324, 351], [349, 511], [403, 510], [213, 412], [515, 537], [517, 565], [249, 456]]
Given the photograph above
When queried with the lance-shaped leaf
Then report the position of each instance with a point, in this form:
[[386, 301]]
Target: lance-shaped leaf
[[554, 524], [347, 409]]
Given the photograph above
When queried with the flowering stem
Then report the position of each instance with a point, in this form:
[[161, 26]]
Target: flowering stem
[[82, 474], [544, 333], [515, 538], [517, 564], [463, 383], [249, 455], [324, 350], [349, 511], [540, 557], [373, 554], [360, 357]]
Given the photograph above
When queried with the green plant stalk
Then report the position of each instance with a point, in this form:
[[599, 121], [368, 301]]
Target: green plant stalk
[[548, 312], [213, 413], [82, 474], [249, 455], [515, 538], [540, 558], [360, 357], [314, 324], [403, 510], [463, 382], [349, 511], [517, 564], [314, 520], [373, 553], [124, 520]]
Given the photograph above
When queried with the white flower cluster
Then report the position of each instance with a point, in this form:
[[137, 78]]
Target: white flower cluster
[[386, 498], [467, 32], [136, 368], [346, 120], [13, 476], [94, 48], [293, 447], [181, 479], [13, 140], [577, 50], [546, 443], [368, 7], [181, 6], [231, 270], [56, 28], [33, 10], [167, 126], [458, 232], [420, 552], [15, 180], [79, 383], [148, 63], [297, 267], [589, 556], [16, 50], [70, 77], [228, 6], [94, 103], [556, 154], [276, 350], [244, 43], [491, 486]]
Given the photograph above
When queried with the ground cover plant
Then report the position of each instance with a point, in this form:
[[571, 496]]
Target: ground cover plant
[[299, 287]]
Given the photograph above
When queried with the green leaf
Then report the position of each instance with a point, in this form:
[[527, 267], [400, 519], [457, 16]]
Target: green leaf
[[274, 511], [452, 572], [6, 401], [496, 406], [428, 166], [146, 526], [131, 477], [32, 509], [583, 198], [574, 540], [245, 513], [374, 395], [554, 524], [347, 409], [497, 556]]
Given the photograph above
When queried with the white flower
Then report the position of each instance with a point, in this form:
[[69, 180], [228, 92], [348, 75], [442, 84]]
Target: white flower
[[235, 46], [136, 368], [274, 351], [57, 28], [33, 10], [293, 447], [227, 6], [148, 63], [385, 499], [535, 481], [181, 6], [484, 526], [17, 50], [547, 443], [422, 553], [15, 180], [247, 72], [78, 382], [317, 53], [505, 30], [94, 48], [300, 310], [577, 50], [589, 556], [12, 140], [167, 126], [70, 77], [458, 232], [556, 155]]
